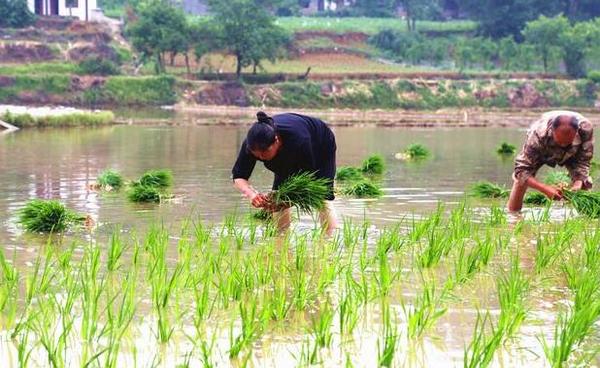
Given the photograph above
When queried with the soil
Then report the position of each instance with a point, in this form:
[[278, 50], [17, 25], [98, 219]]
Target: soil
[[25, 52]]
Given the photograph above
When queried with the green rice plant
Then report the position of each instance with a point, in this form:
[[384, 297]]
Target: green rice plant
[[586, 203], [536, 199], [436, 247], [425, 310], [480, 352], [385, 277], [157, 179], [497, 216], [250, 328], [110, 179], [388, 343], [349, 173], [363, 189], [303, 191], [485, 189], [416, 151], [115, 251], [348, 313], [262, 215], [40, 215], [557, 177], [9, 290], [550, 247], [373, 165], [513, 288], [321, 326], [506, 149], [142, 193]]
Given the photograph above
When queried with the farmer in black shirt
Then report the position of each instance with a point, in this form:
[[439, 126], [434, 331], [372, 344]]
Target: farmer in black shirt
[[287, 144]]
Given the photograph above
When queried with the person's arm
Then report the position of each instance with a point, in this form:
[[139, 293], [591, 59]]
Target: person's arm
[[256, 198], [550, 191], [579, 165], [241, 172], [529, 161]]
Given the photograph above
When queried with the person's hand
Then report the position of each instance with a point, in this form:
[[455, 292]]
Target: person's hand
[[577, 185], [259, 200], [553, 193]]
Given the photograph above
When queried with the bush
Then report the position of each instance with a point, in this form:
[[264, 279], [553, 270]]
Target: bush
[[15, 14], [74, 119], [594, 76], [98, 66]]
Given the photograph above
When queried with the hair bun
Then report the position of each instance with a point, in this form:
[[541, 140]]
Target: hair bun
[[262, 117]]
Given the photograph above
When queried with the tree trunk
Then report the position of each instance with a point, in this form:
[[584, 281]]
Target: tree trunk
[[414, 24], [238, 68], [254, 68], [187, 63], [407, 11]]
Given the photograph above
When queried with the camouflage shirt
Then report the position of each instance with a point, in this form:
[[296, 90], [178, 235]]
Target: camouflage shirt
[[540, 149]]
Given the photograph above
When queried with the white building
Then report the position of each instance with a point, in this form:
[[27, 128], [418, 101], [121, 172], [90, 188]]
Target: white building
[[82, 9]]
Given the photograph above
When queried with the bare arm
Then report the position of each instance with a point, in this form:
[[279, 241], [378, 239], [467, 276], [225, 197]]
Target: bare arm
[[550, 191], [257, 199]]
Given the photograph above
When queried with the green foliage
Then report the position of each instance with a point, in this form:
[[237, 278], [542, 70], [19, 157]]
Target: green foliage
[[536, 199], [143, 193], [157, 179], [594, 76], [110, 179], [15, 14], [39, 68], [373, 165], [557, 177], [543, 34], [304, 191], [73, 119], [586, 203], [98, 66], [485, 189], [363, 189], [139, 90], [47, 216], [506, 149], [349, 173]]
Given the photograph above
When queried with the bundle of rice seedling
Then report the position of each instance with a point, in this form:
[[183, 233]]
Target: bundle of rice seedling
[[144, 193], [349, 173], [536, 199], [363, 189], [110, 179], [416, 151], [373, 165], [506, 149], [586, 203], [47, 215], [157, 179], [262, 215], [557, 177], [485, 189], [303, 190]]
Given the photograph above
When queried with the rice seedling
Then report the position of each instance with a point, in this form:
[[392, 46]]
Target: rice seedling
[[536, 199], [141, 193], [304, 191], [437, 246], [110, 179], [485, 189], [482, 347], [388, 342], [349, 173], [497, 216], [348, 314], [557, 177], [506, 149], [262, 215], [425, 310], [115, 251], [40, 215], [550, 248], [373, 165], [9, 290], [363, 189], [250, 328], [321, 326], [157, 179], [513, 288], [415, 151], [586, 203]]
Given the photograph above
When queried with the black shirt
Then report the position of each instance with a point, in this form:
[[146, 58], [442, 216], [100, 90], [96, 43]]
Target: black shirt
[[307, 145]]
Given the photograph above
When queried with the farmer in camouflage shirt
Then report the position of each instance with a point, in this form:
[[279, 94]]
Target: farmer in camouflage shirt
[[563, 138]]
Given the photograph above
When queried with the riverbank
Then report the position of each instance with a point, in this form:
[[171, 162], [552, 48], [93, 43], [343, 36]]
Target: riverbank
[[26, 117]]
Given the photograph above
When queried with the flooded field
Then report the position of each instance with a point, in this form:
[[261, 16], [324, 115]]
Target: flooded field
[[422, 277]]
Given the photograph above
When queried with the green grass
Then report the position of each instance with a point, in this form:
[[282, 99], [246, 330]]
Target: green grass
[[485, 189], [40, 215], [506, 149], [349, 173], [39, 68], [110, 179], [125, 90], [303, 191], [363, 189], [64, 120], [373, 165]]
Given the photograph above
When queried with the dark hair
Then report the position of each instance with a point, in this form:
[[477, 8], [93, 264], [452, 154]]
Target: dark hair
[[262, 133], [573, 122]]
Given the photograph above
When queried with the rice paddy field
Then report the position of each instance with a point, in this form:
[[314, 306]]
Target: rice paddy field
[[422, 276]]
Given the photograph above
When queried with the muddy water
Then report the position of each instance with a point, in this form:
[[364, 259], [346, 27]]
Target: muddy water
[[61, 164]]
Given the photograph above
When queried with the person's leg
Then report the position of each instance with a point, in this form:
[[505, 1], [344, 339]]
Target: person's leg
[[515, 201], [328, 218], [283, 219]]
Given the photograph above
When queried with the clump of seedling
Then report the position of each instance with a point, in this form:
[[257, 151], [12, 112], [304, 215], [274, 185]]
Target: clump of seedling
[[47, 216], [536, 199], [586, 203], [109, 180], [151, 187], [557, 178], [349, 173], [262, 215], [506, 149], [157, 179], [141, 193], [373, 165], [415, 151], [303, 191], [363, 189], [485, 189]]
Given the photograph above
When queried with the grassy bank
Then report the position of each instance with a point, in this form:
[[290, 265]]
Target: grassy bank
[[63, 120]]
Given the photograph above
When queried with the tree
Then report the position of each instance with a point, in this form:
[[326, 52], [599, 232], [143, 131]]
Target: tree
[[419, 10], [15, 14], [576, 42], [247, 31], [160, 28], [581, 9], [544, 34], [205, 38], [375, 8]]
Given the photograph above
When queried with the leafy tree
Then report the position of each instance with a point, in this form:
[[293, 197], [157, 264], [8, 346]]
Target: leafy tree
[[15, 14], [581, 9], [205, 38], [419, 10], [544, 34], [374, 8], [247, 31], [160, 28], [576, 42]]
